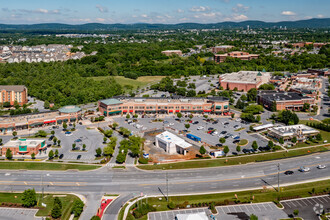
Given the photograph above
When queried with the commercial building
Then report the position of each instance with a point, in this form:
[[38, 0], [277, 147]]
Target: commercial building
[[219, 58], [23, 146], [172, 52], [244, 80], [320, 72], [283, 100], [171, 143], [222, 48], [192, 216], [13, 93], [153, 105], [300, 131], [19, 122]]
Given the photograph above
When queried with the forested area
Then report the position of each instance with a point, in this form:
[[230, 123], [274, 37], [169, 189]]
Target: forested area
[[68, 83]]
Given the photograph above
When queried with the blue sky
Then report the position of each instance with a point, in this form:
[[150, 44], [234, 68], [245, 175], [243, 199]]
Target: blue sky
[[158, 11]]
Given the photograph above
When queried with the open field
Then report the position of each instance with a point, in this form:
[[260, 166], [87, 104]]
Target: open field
[[227, 161], [255, 196], [67, 202], [139, 82], [45, 166]]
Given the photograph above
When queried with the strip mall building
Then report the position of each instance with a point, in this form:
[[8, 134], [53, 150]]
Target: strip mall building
[[140, 105], [19, 122]]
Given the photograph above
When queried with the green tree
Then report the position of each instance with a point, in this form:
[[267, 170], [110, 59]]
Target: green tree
[[0, 141], [238, 148], [51, 154], [270, 144], [243, 98], [202, 150], [56, 211], [33, 156], [318, 137], [77, 208], [222, 140], [128, 116], [105, 139], [294, 139], [253, 217], [296, 212], [84, 147], [41, 133], [226, 150], [52, 132], [46, 104], [254, 145], [14, 134], [108, 151], [233, 115], [54, 140], [95, 217], [59, 142], [29, 198], [187, 126], [56, 153], [114, 125], [281, 141], [98, 152], [73, 146], [252, 94], [258, 118], [65, 125], [9, 154], [121, 157], [179, 114], [306, 107]]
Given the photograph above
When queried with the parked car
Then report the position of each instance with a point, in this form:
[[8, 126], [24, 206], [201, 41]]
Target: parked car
[[171, 124], [218, 145], [215, 133], [288, 172], [215, 122], [200, 128], [67, 132], [236, 141], [304, 169], [78, 140], [210, 128], [78, 157], [195, 122], [49, 145], [321, 166], [223, 132], [61, 156], [226, 123]]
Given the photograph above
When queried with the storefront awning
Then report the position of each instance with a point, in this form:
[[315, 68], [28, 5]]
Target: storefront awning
[[115, 112], [49, 121], [207, 110]]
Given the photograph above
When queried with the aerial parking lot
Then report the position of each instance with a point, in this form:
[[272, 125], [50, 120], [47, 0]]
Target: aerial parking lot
[[233, 130], [92, 138]]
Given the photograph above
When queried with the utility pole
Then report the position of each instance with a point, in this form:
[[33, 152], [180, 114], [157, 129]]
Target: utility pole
[[167, 186], [278, 180]]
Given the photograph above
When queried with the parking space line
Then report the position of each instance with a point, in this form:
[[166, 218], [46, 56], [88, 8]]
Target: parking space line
[[253, 208], [309, 201], [319, 200], [271, 207], [324, 198], [302, 201]]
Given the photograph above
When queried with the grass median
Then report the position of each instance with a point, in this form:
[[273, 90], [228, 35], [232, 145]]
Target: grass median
[[15, 200], [6, 165], [268, 194], [235, 160]]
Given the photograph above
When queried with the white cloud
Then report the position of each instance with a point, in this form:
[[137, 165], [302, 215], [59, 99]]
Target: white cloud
[[320, 16], [288, 13], [239, 17], [144, 16], [180, 11], [240, 8], [100, 19], [200, 8], [102, 9]]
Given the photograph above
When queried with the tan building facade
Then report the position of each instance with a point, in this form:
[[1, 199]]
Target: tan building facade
[[23, 147], [125, 105], [12, 93], [219, 58]]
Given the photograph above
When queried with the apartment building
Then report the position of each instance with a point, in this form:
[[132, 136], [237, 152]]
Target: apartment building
[[12, 93], [219, 58]]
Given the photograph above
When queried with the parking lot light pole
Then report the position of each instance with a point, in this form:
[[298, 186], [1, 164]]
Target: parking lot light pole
[[167, 185], [278, 180]]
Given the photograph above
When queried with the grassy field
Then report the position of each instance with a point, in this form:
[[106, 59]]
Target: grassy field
[[236, 160], [243, 142], [67, 202], [263, 195], [139, 82], [44, 166]]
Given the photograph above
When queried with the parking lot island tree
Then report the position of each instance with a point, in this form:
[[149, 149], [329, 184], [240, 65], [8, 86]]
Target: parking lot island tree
[[98, 152], [222, 140], [51, 155], [202, 150], [226, 149], [9, 154], [254, 145], [238, 148], [29, 198]]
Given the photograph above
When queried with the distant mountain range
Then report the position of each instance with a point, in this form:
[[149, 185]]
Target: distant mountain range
[[311, 23]]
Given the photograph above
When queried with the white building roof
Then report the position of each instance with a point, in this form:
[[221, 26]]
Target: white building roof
[[285, 131], [192, 216], [168, 137], [23, 142], [260, 127]]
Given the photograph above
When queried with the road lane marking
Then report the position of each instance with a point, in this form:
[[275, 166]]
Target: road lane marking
[[25, 183]]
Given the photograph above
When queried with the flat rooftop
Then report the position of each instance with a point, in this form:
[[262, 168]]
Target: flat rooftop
[[293, 129], [282, 96], [24, 142], [168, 137], [245, 77]]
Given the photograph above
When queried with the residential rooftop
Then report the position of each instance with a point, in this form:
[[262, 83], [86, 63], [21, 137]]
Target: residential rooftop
[[15, 88]]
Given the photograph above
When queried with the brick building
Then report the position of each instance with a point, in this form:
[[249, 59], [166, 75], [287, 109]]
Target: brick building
[[219, 58], [19, 122], [172, 52], [320, 72], [23, 147], [284, 100], [244, 80], [141, 105], [222, 48], [13, 93]]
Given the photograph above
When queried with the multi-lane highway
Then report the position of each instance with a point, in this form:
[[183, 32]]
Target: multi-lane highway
[[133, 181]]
